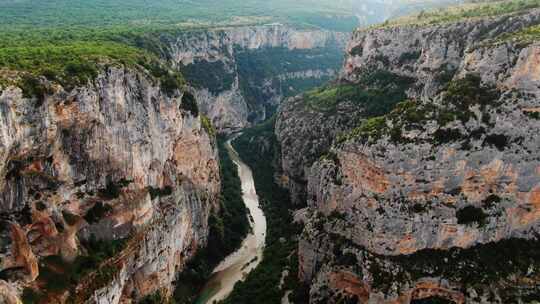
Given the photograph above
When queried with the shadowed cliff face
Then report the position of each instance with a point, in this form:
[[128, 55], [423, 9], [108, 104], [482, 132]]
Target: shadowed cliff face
[[240, 75], [115, 160], [437, 198]]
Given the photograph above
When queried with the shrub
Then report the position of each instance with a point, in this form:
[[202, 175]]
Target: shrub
[[155, 298], [466, 92], [32, 86], [492, 200], [40, 206], [409, 56], [534, 115], [208, 127], [347, 259], [83, 71], [371, 128], [418, 208], [499, 141], [112, 190], [157, 192], [71, 219], [190, 104], [376, 93], [471, 214], [447, 135], [171, 83], [97, 212]]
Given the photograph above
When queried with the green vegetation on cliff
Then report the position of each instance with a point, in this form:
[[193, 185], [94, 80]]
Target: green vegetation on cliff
[[503, 264], [526, 36], [376, 94], [57, 275], [67, 41], [257, 67], [460, 12], [458, 100]]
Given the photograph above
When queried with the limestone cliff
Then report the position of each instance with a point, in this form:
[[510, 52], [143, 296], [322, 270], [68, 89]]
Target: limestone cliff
[[240, 75], [435, 198], [105, 189]]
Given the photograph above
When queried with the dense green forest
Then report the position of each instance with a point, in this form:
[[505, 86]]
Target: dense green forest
[[61, 13], [67, 41]]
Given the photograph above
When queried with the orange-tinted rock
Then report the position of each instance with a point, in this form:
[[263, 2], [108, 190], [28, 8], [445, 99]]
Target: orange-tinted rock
[[22, 253], [350, 284]]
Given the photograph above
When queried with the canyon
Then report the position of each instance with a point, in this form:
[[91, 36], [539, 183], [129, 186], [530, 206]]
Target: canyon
[[109, 180], [240, 75], [396, 164]]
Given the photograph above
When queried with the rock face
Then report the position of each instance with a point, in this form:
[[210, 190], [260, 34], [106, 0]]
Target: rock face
[[437, 200], [114, 160], [304, 134], [434, 54], [240, 75]]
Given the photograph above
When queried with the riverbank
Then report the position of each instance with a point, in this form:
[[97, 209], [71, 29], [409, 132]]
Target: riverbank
[[236, 266], [256, 146], [229, 226]]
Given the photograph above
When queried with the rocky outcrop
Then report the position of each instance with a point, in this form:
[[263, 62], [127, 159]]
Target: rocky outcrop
[[116, 161], [304, 134], [436, 200], [435, 54], [240, 75]]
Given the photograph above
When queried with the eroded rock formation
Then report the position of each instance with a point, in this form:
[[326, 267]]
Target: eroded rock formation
[[437, 198], [84, 169]]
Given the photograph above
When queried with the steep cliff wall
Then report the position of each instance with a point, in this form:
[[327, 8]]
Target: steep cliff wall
[[436, 200], [106, 188], [240, 75]]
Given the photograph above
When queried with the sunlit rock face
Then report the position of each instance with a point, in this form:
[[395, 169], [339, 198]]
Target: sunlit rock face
[[439, 198], [240, 75], [116, 159]]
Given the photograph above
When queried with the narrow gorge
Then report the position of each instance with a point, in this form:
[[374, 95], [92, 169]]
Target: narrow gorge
[[259, 152]]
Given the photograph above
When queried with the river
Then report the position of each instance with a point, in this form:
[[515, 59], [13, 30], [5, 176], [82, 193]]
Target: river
[[237, 265]]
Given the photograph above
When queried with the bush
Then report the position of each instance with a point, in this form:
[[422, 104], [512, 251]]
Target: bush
[[157, 192], [466, 92], [409, 56], [70, 218], [376, 94], [470, 215], [32, 86], [443, 136], [499, 141], [31, 296], [190, 104], [171, 83], [208, 127], [83, 71], [97, 212], [112, 190], [492, 200]]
